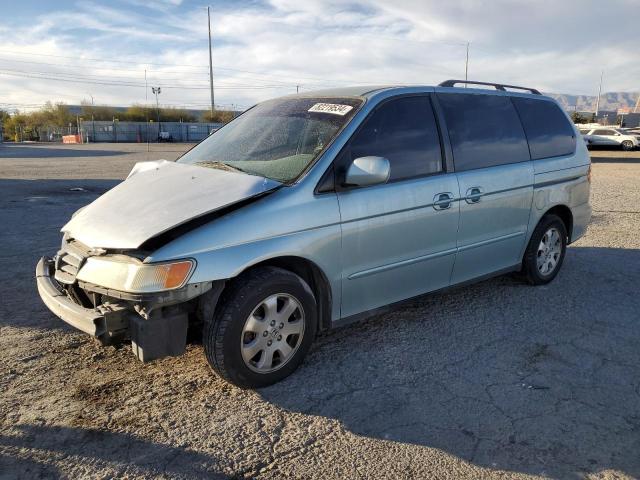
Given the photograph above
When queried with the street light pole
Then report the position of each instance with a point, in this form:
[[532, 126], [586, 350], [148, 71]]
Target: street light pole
[[93, 122], [599, 94], [157, 91], [210, 63]]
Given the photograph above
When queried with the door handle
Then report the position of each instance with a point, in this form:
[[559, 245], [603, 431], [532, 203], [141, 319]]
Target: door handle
[[442, 201], [474, 194]]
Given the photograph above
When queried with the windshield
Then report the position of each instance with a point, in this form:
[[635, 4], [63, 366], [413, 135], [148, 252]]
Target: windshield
[[276, 139]]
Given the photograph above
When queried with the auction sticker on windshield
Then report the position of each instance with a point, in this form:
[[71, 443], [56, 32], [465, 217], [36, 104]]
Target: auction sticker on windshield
[[334, 108]]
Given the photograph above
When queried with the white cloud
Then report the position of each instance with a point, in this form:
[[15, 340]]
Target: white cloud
[[265, 50]]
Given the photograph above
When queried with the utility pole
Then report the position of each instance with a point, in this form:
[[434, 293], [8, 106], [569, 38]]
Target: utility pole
[[297, 88], [93, 122], [466, 66], [599, 94], [210, 63], [146, 107]]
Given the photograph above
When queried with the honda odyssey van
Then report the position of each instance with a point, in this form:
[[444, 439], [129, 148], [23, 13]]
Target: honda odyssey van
[[311, 211]]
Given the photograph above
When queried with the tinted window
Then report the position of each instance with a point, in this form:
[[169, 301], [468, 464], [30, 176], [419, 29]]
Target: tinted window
[[584, 132], [548, 130], [484, 130], [603, 132], [404, 131]]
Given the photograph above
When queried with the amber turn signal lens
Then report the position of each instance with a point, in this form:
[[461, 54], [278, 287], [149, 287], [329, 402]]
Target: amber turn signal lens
[[176, 274]]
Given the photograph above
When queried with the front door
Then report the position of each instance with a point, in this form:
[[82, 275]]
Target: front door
[[399, 238]]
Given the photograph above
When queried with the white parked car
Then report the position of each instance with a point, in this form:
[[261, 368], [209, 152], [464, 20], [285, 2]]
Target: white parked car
[[609, 136]]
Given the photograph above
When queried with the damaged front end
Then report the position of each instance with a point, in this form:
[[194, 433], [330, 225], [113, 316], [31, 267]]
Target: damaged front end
[[156, 322], [101, 282]]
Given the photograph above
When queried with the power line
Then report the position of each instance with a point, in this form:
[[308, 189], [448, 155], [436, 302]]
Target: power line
[[110, 68], [332, 81], [91, 81], [155, 77], [158, 72], [86, 75], [104, 60]]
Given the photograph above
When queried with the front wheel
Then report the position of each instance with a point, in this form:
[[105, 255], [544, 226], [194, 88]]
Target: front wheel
[[546, 250], [262, 329], [627, 145]]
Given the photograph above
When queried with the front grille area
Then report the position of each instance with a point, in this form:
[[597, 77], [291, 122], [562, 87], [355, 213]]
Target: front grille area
[[69, 260]]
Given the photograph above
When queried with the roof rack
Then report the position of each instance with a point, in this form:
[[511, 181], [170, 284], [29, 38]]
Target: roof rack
[[498, 86]]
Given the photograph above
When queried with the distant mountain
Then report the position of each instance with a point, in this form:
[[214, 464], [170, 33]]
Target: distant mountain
[[587, 103]]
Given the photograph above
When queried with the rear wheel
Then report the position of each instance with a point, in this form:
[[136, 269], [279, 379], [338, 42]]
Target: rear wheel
[[546, 250], [262, 328], [627, 145]]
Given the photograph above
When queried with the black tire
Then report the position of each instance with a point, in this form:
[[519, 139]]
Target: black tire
[[627, 145], [530, 269], [223, 333]]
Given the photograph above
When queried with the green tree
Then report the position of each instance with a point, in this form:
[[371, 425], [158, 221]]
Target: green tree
[[4, 119], [100, 113], [578, 118], [218, 116], [139, 113], [177, 115], [14, 127]]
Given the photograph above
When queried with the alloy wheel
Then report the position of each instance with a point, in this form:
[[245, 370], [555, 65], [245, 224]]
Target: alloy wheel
[[549, 251], [272, 333]]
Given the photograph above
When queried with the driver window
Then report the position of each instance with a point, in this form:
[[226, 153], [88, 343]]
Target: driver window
[[404, 131]]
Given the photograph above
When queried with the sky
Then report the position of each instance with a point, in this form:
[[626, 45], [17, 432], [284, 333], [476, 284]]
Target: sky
[[74, 51]]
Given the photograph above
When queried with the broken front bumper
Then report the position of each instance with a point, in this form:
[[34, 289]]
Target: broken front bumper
[[89, 320], [156, 323]]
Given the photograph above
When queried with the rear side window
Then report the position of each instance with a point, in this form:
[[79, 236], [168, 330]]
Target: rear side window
[[548, 130], [404, 131], [603, 132], [484, 130]]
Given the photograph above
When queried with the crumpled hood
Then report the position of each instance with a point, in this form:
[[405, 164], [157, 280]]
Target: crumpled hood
[[156, 197]]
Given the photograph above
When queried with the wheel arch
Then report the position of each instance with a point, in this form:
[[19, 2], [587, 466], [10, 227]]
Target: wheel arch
[[306, 269], [565, 215], [313, 275]]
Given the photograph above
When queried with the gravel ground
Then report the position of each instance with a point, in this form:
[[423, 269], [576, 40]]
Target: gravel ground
[[495, 380]]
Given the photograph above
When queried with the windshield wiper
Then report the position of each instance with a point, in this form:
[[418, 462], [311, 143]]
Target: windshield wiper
[[220, 166]]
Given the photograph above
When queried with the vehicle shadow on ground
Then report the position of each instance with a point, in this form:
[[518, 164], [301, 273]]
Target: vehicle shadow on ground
[[537, 380], [28, 151], [33, 451], [595, 159]]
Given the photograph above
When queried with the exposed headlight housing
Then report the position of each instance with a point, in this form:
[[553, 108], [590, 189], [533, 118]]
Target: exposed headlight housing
[[128, 274]]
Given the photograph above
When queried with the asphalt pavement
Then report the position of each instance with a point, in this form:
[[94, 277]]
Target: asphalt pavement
[[494, 380]]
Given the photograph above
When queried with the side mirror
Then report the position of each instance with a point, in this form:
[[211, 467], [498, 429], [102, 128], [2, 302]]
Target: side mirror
[[366, 171]]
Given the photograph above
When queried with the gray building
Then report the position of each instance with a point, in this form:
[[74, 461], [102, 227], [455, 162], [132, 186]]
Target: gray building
[[631, 120], [106, 131], [607, 117]]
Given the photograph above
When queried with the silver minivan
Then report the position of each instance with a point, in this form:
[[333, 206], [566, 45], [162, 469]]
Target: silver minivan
[[311, 211]]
